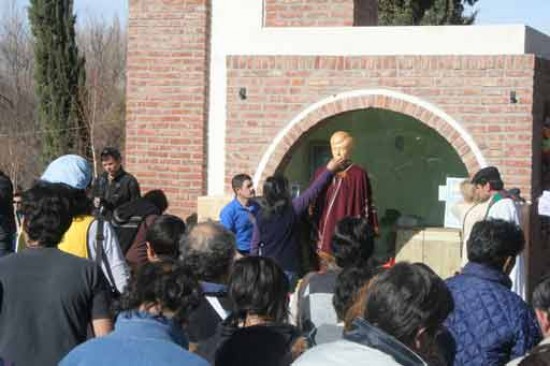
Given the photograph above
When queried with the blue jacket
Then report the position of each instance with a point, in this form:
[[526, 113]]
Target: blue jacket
[[139, 339], [490, 325], [237, 218]]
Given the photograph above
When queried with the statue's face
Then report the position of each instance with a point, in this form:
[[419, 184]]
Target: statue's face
[[341, 147]]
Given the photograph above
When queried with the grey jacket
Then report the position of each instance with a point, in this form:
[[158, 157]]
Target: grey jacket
[[113, 254], [365, 344]]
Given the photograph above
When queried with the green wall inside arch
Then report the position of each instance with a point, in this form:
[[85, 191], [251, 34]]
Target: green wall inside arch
[[406, 160]]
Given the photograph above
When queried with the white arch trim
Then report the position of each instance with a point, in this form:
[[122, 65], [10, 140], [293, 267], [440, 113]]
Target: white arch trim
[[362, 93]]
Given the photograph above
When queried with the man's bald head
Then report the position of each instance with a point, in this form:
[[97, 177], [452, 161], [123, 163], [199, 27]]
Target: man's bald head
[[208, 250], [341, 144]]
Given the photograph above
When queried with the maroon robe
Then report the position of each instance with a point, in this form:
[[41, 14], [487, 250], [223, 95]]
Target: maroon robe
[[349, 194]]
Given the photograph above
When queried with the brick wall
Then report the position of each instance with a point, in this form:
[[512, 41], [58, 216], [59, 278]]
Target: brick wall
[[320, 13], [474, 90], [166, 97]]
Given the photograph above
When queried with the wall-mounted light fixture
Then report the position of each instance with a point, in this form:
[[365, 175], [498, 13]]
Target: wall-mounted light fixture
[[513, 97], [242, 94]]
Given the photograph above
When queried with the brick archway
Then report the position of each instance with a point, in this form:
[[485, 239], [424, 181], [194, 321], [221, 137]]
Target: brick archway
[[425, 112]]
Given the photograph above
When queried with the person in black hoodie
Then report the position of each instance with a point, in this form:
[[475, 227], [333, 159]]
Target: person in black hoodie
[[7, 217], [258, 289], [131, 221]]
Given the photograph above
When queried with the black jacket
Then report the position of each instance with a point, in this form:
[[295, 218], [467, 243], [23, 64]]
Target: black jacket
[[227, 329], [7, 218], [127, 219], [123, 188]]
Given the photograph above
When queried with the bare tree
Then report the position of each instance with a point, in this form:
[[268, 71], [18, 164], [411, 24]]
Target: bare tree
[[104, 46], [19, 145], [103, 100]]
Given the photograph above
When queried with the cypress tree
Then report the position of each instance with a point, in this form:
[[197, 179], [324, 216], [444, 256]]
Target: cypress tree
[[59, 76]]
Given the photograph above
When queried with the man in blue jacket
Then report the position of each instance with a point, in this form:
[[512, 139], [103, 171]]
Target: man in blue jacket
[[237, 215], [490, 324]]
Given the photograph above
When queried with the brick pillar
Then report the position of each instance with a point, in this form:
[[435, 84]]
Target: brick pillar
[[167, 92], [320, 13]]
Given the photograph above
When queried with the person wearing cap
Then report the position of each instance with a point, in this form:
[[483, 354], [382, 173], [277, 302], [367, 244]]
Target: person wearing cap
[[115, 186], [498, 204], [82, 237]]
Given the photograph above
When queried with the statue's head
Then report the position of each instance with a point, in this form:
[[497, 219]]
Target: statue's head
[[341, 144]]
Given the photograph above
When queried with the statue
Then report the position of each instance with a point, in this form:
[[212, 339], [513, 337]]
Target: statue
[[349, 194]]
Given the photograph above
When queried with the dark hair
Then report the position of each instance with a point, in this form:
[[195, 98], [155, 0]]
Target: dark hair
[[541, 295], [352, 242], [18, 191], [47, 213], [258, 286], [157, 198], [79, 202], [164, 235], [405, 298], [255, 345], [168, 284], [489, 175], [275, 196], [495, 184], [208, 249], [110, 152], [492, 241], [346, 289], [238, 181]]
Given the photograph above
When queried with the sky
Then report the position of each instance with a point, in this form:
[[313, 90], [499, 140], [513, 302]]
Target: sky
[[106, 9], [535, 13]]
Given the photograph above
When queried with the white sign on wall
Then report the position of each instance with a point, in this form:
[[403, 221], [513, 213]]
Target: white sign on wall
[[451, 195]]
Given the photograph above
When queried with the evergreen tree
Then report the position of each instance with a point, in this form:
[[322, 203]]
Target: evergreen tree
[[424, 12], [60, 77]]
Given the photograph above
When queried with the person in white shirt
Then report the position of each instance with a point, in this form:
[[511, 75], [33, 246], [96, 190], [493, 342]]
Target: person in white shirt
[[500, 205]]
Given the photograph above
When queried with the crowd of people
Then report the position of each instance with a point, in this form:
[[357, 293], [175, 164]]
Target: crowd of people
[[98, 274]]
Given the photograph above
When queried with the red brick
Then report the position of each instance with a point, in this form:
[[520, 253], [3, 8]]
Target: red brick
[[459, 87], [167, 69], [320, 13]]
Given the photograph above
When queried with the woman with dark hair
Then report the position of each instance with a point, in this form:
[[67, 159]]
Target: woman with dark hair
[[259, 292], [276, 233], [148, 331], [258, 289], [404, 309]]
